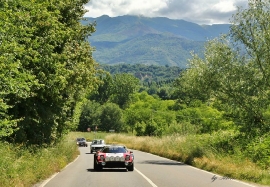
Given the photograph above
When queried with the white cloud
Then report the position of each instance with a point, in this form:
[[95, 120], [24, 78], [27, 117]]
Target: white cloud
[[198, 11]]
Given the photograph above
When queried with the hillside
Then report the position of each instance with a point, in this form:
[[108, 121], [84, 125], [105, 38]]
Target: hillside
[[150, 41]]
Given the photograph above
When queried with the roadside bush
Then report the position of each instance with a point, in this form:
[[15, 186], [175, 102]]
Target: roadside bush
[[259, 151]]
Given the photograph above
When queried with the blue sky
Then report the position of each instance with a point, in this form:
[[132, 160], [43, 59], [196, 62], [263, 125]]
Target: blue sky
[[197, 11]]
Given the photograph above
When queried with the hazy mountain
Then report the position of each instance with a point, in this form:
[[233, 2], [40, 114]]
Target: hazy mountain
[[158, 41]]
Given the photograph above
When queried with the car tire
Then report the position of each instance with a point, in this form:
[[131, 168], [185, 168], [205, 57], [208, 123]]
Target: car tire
[[130, 168], [95, 165]]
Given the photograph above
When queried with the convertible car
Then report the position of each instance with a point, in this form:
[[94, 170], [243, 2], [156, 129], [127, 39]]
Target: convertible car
[[114, 156]]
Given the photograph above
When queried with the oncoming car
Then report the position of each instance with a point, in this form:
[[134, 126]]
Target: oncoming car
[[114, 156], [81, 142]]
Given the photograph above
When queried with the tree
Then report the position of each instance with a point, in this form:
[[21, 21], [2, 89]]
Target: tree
[[110, 117], [153, 112], [239, 80], [124, 85], [89, 117], [104, 89], [44, 47]]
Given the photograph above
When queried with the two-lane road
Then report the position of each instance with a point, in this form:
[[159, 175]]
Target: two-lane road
[[150, 171]]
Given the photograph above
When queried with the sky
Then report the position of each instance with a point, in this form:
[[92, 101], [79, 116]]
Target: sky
[[196, 11]]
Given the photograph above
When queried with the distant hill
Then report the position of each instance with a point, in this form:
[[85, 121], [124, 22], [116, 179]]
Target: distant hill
[[149, 41], [146, 73]]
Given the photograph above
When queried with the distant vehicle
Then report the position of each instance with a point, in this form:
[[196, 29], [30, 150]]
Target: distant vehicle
[[114, 156], [96, 145], [81, 142]]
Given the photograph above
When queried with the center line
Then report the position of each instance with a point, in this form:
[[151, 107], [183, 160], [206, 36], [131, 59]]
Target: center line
[[148, 180]]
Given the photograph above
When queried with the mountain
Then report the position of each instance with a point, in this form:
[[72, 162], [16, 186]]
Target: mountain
[[150, 41]]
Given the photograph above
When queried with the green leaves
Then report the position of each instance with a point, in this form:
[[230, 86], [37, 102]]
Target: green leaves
[[239, 79], [46, 67], [124, 85]]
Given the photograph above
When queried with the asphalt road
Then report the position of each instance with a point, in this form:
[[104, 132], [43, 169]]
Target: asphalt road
[[150, 171]]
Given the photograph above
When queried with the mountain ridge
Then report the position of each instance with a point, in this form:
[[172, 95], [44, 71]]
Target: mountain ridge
[[151, 41]]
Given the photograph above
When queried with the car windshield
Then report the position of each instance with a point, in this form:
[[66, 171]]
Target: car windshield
[[114, 150], [80, 139], [97, 142]]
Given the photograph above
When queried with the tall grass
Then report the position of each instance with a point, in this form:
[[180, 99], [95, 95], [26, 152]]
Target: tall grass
[[21, 166], [208, 152]]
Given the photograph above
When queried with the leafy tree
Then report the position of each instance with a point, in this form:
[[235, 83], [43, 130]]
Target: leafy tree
[[104, 89], [44, 47], [153, 89], [153, 112], [124, 85], [110, 117], [152, 129], [89, 117], [164, 93], [140, 129], [239, 80]]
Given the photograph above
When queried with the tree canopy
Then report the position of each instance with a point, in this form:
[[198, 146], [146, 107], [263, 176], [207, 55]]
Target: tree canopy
[[46, 67], [235, 70]]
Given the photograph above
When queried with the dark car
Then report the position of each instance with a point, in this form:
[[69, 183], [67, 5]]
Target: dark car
[[114, 156], [81, 142]]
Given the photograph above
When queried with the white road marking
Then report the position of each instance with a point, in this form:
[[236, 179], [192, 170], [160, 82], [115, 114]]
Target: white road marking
[[146, 178], [235, 180], [54, 175]]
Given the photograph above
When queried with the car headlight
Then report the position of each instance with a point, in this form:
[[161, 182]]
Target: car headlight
[[128, 157], [101, 157]]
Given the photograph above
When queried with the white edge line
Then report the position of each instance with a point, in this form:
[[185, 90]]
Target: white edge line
[[48, 180], [236, 180], [146, 178]]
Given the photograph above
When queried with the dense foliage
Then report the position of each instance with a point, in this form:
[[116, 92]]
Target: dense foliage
[[237, 80], [146, 73], [156, 80], [46, 67]]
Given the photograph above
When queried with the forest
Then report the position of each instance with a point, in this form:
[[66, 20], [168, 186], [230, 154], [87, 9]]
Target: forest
[[51, 84]]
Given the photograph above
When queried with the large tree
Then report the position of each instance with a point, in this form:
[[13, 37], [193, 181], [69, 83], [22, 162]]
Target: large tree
[[123, 86], [47, 63], [236, 70]]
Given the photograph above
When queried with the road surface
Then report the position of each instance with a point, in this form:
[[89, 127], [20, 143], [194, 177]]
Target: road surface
[[150, 171]]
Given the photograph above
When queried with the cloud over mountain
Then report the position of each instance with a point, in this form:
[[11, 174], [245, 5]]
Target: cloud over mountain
[[197, 11]]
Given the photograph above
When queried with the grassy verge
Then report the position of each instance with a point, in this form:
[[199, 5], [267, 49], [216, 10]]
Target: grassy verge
[[23, 167], [199, 152], [20, 166]]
